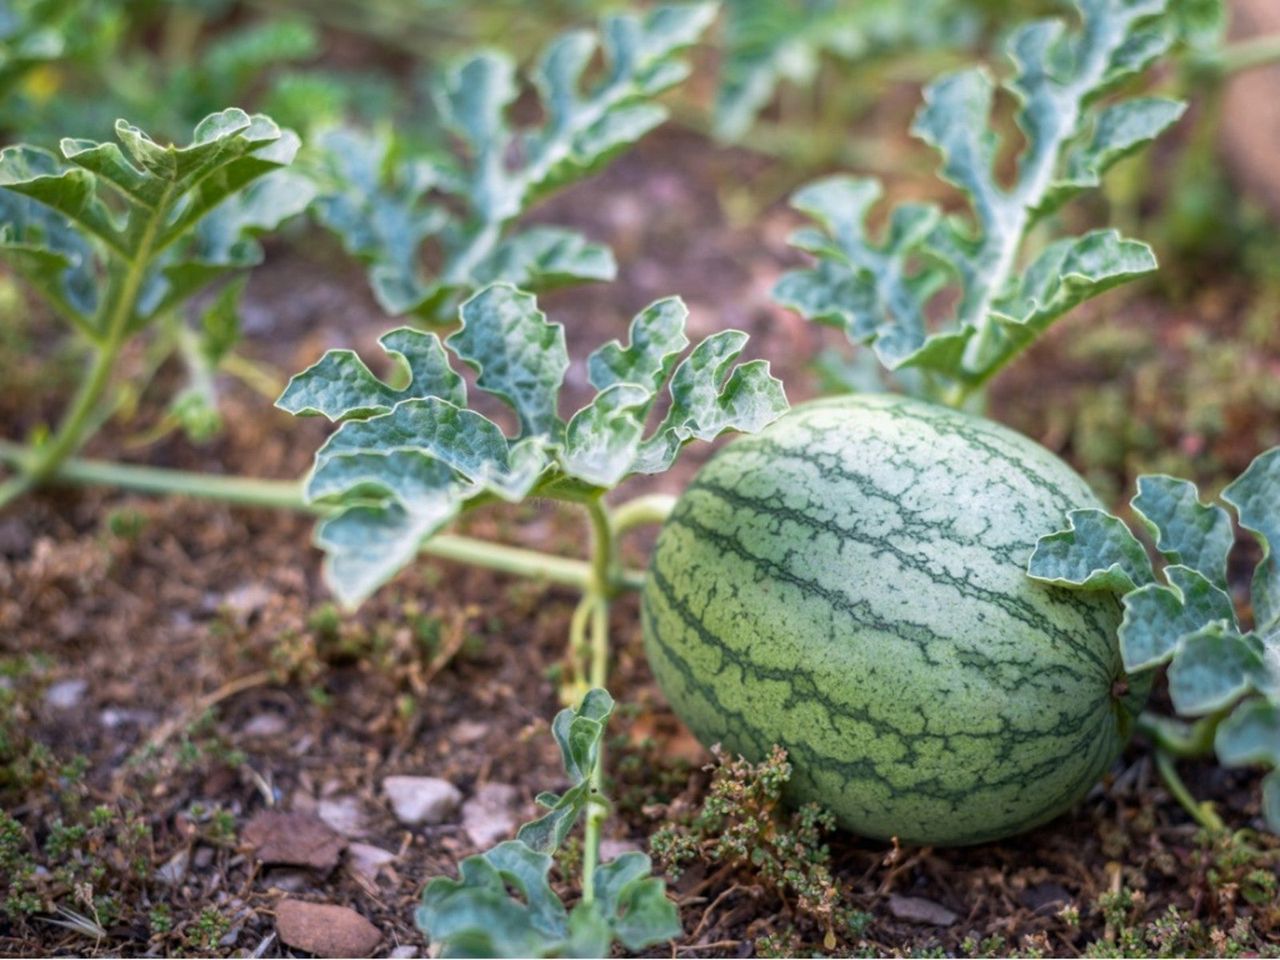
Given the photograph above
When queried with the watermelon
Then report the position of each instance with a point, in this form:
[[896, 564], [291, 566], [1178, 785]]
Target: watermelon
[[851, 584]]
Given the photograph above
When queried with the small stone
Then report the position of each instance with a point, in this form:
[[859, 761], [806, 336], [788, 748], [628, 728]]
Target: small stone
[[466, 732], [65, 694], [406, 951], [344, 814], [418, 800], [174, 870], [611, 849], [265, 725], [294, 839], [112, 718], [489, 816], [325, 929], [368, 860], [920, 910]]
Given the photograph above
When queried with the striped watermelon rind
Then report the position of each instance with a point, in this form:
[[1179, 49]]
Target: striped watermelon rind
[[851, 584]]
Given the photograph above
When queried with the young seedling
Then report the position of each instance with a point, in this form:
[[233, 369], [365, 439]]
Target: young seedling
[[621, 902], [118, 240], [1223, 676], [885, 294], [407, 461], [386, 209]]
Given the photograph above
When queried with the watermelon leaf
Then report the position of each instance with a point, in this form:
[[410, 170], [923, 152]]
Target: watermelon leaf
[[1255, 495], [1157, 618], [386, 208], [117, 236], [1095, 552], [1186, 531], [1001, 294], [1181, 613], [477, 915], [405, 461]]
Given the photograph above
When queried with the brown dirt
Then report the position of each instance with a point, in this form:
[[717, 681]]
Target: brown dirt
[[449, 671]]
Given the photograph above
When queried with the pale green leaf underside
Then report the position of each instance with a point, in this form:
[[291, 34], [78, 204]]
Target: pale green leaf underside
[[1186, 531], [1095, 552], [1157, 618]]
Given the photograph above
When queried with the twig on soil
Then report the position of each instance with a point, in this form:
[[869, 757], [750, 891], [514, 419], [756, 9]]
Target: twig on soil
[[706, 914], [717, 945]]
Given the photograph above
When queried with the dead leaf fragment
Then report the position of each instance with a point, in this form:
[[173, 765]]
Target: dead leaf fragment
[[296, 839]]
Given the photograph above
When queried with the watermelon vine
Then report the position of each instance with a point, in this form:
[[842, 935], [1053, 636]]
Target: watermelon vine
[[885, 293], [386, 208], [116, 240], [1224, 674]]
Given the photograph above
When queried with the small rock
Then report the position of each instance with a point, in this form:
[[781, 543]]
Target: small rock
[[368, 860], [295, 839], [489, 816], [406, 951], [611, 849], [344, 814], [265, 725], [203, 858], [113, 718], [245, 601], [466, 732], [65, 694], [325, 929], [920, 910], [417, 800], [174, 870]]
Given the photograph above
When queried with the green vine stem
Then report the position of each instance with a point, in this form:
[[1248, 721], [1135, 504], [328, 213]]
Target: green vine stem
[[287, 495], [1247, 54], [1174, 739], [1202, 812], [650, 509], [604, 561], [119, 305]]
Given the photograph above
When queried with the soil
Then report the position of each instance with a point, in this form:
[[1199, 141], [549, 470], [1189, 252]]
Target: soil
[[206, 633]]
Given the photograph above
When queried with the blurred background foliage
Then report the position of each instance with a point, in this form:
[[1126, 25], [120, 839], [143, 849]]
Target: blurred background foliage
[[1175, 374]]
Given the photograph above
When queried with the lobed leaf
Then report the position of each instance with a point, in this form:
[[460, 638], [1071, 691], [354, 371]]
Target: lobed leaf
[[881, 295], [379, 203], [1251, 734], [657, 339], [476, 917], [1214, 668], [180, 216], [1157, 618], [709, 395], [1255, 495], [1095, 552], [397, 499], [339, 386], [578, 733], [1186, 531], [519, 356]]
